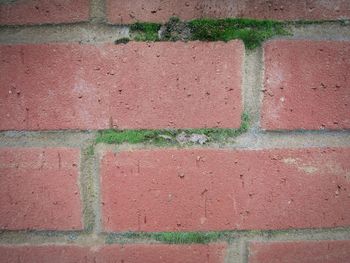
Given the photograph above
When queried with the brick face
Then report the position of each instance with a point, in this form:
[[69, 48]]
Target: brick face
[[300, 251], [66, 197], [295, 10], [138, 85], [43, 254], [225, 189], [126, 12], [306, 85], [24, 12], [39, 189], [213, 253]]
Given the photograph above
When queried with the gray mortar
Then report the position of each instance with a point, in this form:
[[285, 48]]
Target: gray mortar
[[255, 140], [97, 31], [252, 85], [45, 139], [324, 31], [82, 33], [89, 190]]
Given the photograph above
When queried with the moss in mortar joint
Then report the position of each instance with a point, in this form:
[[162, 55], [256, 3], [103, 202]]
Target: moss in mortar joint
[[168, 137], [252, 32], [206, 237], [145, 31], [170, 237]]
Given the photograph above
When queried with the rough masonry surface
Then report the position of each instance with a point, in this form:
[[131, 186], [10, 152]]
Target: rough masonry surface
[[134, 86], [126, 12], [300, 251], [39, 189], [27, 12], [306, 85], [208, 189], [135, 253]]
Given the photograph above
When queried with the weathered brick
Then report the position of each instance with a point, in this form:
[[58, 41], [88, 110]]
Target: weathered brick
[[295, 10], [126, 12], [22, 12], [138, 85], [44, 254], [39, 189], [212, 253], [306, 85], [207, 189], [300, 251]]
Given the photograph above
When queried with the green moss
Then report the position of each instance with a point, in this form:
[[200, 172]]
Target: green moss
[[145, 31], [164, 137], [123, 40], [170, 237], [219, 134], [186, 237], [251, 32], [134, 136]]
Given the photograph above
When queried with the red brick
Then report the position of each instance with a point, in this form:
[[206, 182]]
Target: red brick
[[295, 10], [43, 11], [44, 254], [39, 189], [138, 85], [306, 85], [207, 189], [213, 253], [126, 12], [300, 251]]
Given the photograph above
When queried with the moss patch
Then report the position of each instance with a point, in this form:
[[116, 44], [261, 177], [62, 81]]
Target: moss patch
[[165, 137], [251, 32], [169, 237], [145, 31]]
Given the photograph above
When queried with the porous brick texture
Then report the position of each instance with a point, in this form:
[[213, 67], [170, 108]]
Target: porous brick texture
[[214, 253], [306, 85], [225, 189], [300, 251], [27, 12], [119, 150], [139, 85], [39, 189], [126, 12]]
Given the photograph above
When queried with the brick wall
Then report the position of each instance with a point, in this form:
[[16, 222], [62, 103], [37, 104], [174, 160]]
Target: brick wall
[[278, 191]]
